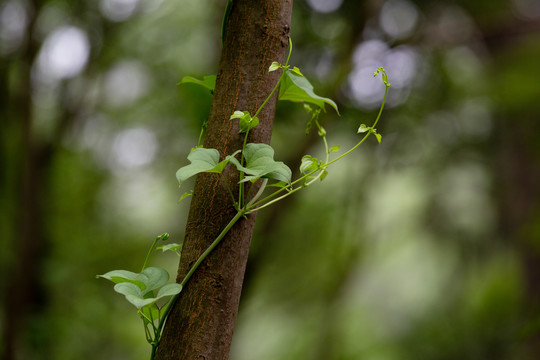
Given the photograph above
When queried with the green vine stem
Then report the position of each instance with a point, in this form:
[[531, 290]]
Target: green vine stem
[[267, 201], [241, 213], [315, 170], [163, 237], [241, 190]]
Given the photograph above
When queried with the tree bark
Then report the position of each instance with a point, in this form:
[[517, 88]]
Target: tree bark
[[201, 322]]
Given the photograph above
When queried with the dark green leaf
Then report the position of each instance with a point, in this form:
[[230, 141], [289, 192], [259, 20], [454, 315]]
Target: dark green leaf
[[208, 82], [202, 160], [297, 88]]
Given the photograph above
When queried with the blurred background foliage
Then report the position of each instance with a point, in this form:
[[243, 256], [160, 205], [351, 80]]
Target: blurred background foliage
[[424, 247]]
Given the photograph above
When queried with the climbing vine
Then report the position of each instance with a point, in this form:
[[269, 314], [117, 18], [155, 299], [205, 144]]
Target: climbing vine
[[148, 289]]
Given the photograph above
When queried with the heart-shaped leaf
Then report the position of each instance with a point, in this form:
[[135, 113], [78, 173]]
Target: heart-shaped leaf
[[274, 66], [295, 87], [363, 128], [202, 160], [169, 290], [260, 163], [122, 276], [136, 297], [154, 278]]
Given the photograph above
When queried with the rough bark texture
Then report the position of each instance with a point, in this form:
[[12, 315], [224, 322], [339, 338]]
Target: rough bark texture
[[201, 323]]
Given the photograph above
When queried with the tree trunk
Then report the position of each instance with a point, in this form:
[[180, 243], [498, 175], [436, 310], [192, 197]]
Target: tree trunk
[[201, 323]]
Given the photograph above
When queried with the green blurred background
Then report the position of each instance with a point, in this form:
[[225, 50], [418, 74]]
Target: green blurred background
[[424, 247]]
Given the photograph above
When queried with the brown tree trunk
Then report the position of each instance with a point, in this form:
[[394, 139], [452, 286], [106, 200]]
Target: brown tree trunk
[[201, 323]]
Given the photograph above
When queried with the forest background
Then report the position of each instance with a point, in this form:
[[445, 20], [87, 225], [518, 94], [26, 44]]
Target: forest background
[[426, 246]]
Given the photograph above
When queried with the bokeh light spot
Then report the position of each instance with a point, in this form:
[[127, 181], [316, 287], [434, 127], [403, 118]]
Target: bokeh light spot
[[64, 53], [133, 148], [325, 6]]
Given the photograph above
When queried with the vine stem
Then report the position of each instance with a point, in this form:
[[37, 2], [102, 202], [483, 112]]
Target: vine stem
[[323, 166], [242, 212], [369, 133], [284, 69], [163, 236]]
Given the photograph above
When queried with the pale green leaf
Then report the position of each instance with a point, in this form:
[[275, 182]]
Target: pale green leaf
[[122, 276], [154, 278], [274, 66], [202, 160], [169, 290], [170, 247], [239, 114], [142, 299], [363, 128]]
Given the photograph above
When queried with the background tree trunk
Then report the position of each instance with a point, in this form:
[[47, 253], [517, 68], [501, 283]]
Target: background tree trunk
[[201, 323]]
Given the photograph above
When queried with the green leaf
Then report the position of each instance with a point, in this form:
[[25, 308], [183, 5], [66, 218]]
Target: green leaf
[[154, 278], [309, 164], [274, 66], [363, 128], [297, 71], [169, 290], [170, 247], [246, 121], [238, 114], [202, 160], [379, 137], [208, 82], [297, 88], [186, 194], [323, 175], [134, 295], [139, 299], [333, 149], [279, 184], [122, 276], [260, 163]]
